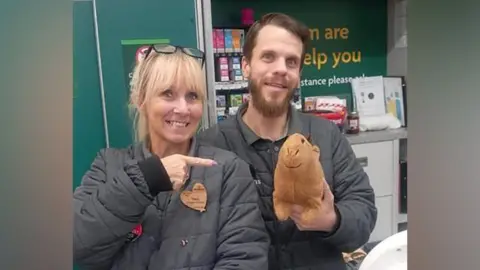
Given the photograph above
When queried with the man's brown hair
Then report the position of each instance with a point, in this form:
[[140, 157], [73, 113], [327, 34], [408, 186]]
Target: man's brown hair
[[280, 20]]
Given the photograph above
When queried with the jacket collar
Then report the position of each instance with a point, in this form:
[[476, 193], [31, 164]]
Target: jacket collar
[[294, 124], [146, 152]]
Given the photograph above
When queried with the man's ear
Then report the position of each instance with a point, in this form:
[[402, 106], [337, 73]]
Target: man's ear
[[245, 67]]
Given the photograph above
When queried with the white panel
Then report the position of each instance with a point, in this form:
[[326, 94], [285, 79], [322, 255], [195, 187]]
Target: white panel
[[378, 158], [384, 226]]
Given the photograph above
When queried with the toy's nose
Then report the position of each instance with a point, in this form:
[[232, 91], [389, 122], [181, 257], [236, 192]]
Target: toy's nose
[[292, 152]]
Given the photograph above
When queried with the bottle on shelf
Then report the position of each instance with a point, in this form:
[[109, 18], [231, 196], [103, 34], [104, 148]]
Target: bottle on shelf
[[353, 123]]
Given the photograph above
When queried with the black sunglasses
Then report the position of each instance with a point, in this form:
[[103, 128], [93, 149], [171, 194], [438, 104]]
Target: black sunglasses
[[169, 49]]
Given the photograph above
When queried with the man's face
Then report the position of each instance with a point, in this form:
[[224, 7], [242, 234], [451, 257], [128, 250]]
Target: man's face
[[274, 70]]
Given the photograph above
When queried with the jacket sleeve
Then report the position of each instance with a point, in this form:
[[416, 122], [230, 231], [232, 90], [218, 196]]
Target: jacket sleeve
[[242, 241], [108, 204], [354, 198]]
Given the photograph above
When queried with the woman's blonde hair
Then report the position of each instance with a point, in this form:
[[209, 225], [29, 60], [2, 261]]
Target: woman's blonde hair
[[155, 74]]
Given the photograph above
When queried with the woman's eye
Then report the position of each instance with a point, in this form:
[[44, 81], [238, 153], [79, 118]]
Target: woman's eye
[[192, 96], [167, 93]]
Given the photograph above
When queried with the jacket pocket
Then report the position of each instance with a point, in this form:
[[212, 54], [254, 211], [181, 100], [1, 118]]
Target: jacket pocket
[[136, 255]]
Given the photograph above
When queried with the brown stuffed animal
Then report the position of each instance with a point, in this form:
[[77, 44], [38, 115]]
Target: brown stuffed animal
[[298, 178]]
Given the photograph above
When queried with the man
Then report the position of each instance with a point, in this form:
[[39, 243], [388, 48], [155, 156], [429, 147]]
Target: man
[[274, 51]]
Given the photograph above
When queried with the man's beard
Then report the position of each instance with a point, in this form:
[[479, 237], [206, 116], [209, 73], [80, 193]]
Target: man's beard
[[268, 109]]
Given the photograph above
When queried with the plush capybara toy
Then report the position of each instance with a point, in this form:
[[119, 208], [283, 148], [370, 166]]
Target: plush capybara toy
[[298, 178]]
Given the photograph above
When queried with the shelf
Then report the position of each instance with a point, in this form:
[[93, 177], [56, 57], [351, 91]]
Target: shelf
[[228, 54], [232, 85]]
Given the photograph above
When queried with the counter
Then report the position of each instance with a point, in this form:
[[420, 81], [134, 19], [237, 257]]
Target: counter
[[378, 152], [377, 136]]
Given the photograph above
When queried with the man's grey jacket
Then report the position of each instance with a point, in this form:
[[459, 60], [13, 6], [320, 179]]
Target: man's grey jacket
[[127, 187], [354, 196]]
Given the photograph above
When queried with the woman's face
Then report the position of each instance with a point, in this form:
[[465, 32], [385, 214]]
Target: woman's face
[[174, 114]]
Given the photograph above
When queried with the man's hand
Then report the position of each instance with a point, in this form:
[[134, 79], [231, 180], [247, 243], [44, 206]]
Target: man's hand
[[325, 217]]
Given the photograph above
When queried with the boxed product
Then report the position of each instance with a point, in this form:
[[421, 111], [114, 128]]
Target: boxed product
[[236, 100], [220, 44], [237, 36], [228, 40], [222, 70], [221, 101], [214, 38], [245, 98]]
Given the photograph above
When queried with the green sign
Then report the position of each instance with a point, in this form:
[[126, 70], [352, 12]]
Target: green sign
[[133, 51], [348, 38]]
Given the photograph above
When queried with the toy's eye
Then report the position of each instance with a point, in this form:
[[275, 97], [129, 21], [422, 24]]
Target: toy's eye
[[303, 140]]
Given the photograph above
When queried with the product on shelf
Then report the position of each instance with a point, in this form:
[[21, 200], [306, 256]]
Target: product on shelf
[[221, 114], [221, 101], [228, 40], [219, 43], [245, 97], [235, 68], [221, 66], [236, 100], [229, 81], [232, 110], [238, 36], [328, 107], [214, 40]]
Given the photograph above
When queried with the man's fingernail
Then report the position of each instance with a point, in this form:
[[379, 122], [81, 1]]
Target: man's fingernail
[[214, 162]]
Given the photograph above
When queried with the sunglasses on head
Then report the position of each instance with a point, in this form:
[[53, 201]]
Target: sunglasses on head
[[169, 49]]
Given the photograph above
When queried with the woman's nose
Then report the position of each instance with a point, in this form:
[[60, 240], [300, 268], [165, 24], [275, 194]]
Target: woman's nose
[[181, 106]]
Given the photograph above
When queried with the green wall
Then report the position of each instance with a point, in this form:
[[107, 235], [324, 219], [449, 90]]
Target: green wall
[[88, 135], [136, 20], [118, 21], [365, 44]]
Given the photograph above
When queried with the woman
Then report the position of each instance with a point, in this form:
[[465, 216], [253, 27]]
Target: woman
[[136, 208]]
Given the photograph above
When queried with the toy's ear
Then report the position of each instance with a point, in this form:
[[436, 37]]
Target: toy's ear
[[316, 149], [309, 138]]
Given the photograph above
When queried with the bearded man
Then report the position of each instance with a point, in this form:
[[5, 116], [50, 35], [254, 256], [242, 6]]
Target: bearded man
[[274, 51]]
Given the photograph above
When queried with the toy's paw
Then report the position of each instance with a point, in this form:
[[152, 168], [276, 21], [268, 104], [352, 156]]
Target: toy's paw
[[282, 210]]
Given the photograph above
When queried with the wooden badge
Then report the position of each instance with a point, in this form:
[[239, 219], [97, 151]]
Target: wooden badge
[[195, 199]]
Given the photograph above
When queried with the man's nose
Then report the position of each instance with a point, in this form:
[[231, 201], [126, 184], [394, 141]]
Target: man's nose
[[280, 67]]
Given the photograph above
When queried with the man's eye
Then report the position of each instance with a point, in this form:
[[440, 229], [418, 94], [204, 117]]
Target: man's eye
[[292, 63], [268, 57]]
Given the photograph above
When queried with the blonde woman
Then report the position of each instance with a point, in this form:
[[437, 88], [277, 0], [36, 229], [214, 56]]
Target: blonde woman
[[137, 208]]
